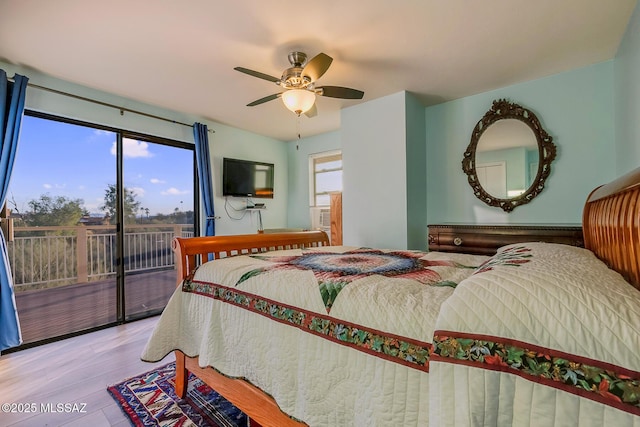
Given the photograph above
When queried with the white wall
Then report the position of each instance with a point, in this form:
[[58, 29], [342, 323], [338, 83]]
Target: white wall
[[627, 82], [374, 198], [225, 142]]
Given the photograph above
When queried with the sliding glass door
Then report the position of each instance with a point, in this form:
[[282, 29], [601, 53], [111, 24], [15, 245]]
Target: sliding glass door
[[74, 267], [158, 206], [61, 255]]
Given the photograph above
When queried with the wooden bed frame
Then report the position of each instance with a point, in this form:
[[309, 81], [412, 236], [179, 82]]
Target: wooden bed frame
[[611, 224], [260, 407], [611, 229]]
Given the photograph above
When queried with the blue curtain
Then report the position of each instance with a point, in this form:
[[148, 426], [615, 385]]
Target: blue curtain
[[12, 97], [203, 160]]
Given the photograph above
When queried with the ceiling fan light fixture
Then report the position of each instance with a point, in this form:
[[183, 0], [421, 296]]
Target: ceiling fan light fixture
[[298, 100]]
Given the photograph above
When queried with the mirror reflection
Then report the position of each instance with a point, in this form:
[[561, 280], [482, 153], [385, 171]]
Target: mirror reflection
[[507, 158]]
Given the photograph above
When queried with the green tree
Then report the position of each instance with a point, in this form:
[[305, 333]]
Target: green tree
[[131, 205], [59, 210]]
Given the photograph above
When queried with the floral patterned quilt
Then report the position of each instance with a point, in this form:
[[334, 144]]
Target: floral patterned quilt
[[352, 328], [313, 278], [539, 334], [551, 342]]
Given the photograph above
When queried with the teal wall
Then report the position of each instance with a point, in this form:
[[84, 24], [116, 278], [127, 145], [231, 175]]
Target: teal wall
[[374, 198], [627, 90], [225, 142], [298, 160], [384, 178], [576, 108], [235, 143], [416, 173]]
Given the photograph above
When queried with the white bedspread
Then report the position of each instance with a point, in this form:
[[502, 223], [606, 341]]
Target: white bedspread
[[543, 335], [333, 346]]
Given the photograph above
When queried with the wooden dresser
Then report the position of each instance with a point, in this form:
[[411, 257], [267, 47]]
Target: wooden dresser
[[486, 239], [336, 219]]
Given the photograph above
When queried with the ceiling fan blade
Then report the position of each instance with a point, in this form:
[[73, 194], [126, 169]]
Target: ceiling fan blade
[[263, 100], [340, 92], [312, 112], [317, 66], [257, 74]]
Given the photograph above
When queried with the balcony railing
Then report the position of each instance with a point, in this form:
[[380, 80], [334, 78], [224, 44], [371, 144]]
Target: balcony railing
[[45, 257]]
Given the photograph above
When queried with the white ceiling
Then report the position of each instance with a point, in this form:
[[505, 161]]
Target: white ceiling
[[180, 55]]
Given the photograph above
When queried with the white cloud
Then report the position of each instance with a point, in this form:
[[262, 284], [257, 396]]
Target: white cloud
[[56, 186], [133, 148], [156, 181], [173, 192]]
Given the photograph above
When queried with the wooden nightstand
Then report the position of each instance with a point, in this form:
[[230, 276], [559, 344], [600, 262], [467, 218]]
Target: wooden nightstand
[[486, 239]]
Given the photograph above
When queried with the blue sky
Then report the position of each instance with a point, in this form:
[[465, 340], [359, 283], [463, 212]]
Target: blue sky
[[78, 162]]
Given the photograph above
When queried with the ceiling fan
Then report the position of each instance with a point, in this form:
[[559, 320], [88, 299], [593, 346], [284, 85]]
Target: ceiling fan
[[299, 83]]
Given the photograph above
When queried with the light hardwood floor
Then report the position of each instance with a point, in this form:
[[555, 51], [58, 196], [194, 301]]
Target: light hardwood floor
[[74, 371]]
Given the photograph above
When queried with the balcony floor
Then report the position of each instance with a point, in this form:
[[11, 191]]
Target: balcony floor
[[48, 313]]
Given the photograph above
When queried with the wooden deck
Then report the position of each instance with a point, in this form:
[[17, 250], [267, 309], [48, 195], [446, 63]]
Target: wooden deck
[[48, 313]]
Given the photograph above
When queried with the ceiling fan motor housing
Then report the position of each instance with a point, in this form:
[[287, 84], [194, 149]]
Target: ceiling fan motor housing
[[292, 79]]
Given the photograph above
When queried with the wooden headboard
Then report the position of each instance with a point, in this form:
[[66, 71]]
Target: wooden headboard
[[611, 225]]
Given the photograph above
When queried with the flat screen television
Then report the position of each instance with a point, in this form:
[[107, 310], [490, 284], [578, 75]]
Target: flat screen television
[[245, 178]]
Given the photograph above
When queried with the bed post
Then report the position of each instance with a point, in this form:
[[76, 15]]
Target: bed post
[[182, 375]]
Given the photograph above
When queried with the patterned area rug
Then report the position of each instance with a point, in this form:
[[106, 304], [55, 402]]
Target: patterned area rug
[[149, 400]]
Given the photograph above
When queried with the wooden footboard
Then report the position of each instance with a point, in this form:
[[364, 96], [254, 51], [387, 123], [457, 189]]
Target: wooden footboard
[[260, 407], [191, 251]]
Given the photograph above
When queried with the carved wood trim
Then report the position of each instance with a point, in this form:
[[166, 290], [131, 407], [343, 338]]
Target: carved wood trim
[[500, 110], [611, 220]]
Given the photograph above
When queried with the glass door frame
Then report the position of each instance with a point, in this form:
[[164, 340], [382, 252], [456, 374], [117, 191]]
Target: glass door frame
[[120, 268], [120, 222]]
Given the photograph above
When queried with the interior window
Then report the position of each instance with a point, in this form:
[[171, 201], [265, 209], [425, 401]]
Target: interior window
[[326, 176]]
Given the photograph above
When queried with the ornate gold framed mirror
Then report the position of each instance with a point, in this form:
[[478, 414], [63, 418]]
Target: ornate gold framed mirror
[[509, 157]]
